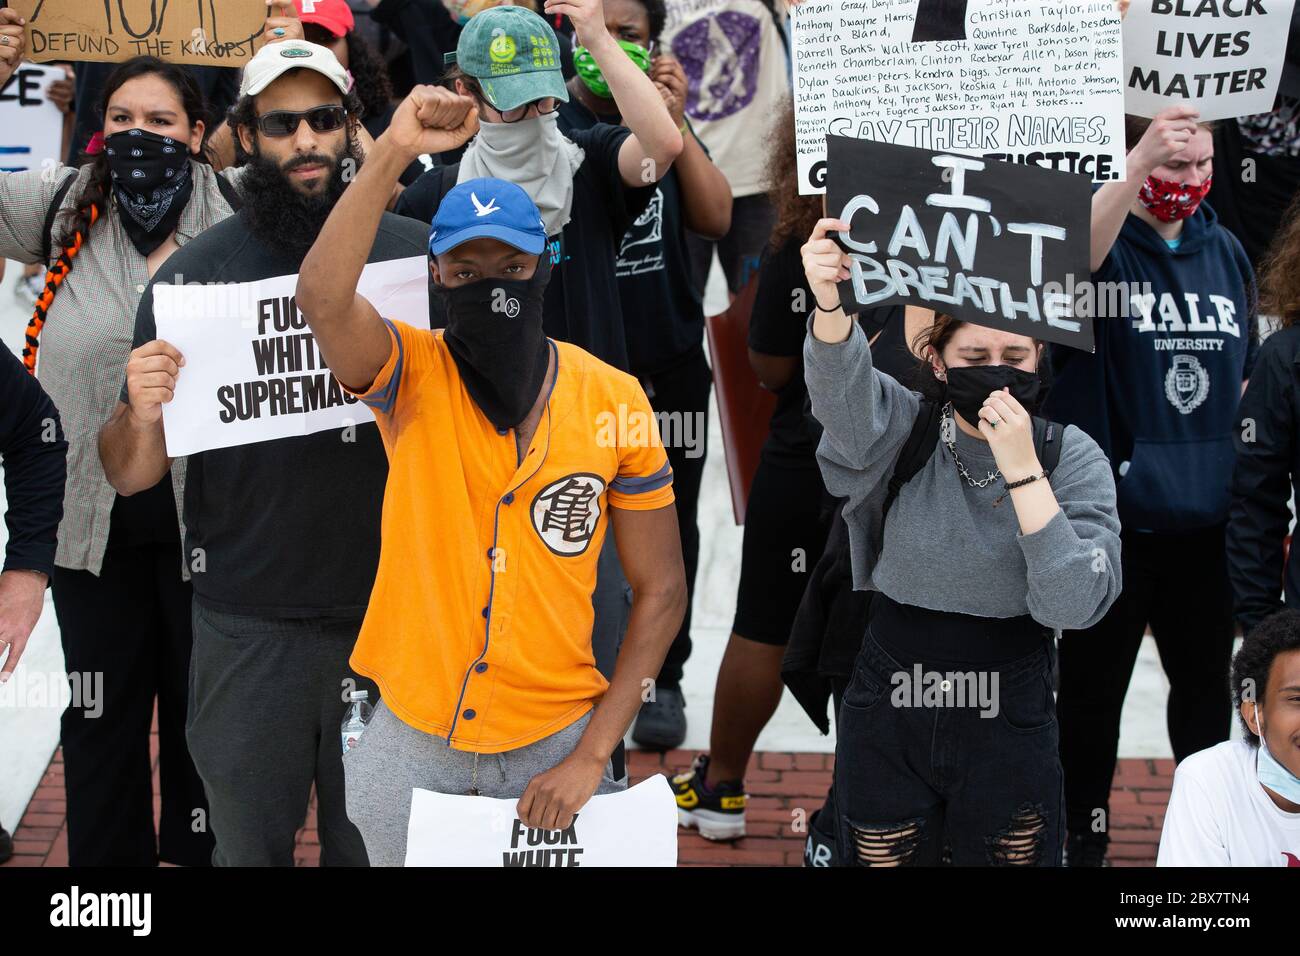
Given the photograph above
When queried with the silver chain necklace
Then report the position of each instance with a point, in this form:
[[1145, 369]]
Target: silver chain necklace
[[948, 428]]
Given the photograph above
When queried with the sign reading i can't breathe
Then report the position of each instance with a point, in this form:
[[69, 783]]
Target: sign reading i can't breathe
[[1224, 57], [196, 32], [1038, 83], [637, 827], [991, 243], [253, 371]]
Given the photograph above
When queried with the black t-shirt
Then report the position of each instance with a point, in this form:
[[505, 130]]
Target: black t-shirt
[[776, 327], [582, 300], [290, 527], [663, 315]]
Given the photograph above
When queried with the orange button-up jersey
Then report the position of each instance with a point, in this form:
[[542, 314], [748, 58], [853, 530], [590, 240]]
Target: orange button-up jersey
[[479, 624]]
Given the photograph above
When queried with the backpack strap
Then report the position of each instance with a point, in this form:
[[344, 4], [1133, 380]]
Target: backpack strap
[[1047, 442], [917, 450], [229, 193], [47, 238]]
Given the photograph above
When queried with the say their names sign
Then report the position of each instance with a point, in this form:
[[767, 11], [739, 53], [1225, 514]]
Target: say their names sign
[[991, 243], [1223, 57], [1036, 83], [253, 371], [194, 32]]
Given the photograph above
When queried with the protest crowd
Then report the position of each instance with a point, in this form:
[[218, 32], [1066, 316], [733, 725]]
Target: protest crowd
[[451, 506]]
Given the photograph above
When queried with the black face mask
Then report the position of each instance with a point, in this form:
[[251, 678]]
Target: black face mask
[[494, 332], [152, 183], [969, 385]]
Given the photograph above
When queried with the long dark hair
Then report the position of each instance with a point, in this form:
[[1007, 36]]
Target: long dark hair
[[795, 214], [1280, 271], [96, 191], [92, 202]]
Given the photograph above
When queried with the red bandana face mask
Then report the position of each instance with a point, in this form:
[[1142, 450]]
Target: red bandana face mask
[[1170, 202]]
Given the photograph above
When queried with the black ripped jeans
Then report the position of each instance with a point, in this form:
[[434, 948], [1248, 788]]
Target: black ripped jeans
[[954, 746]]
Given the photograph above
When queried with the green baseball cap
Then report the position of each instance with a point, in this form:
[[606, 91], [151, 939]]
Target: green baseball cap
[[514, 55]]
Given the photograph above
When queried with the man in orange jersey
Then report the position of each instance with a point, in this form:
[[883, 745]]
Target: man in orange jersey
[[506, 452]]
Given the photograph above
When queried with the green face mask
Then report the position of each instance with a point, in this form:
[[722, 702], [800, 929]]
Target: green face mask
[[589, 71]]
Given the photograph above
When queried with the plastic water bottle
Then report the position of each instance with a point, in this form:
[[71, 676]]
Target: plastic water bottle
[[355, 720]]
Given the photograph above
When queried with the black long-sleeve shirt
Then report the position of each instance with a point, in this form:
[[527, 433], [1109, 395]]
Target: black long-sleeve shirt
[[34, 454], [1266, 473], [428, 30]]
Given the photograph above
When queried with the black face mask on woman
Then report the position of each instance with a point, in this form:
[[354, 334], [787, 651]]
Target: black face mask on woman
[[494, 332], [152, 183], [969, 385]]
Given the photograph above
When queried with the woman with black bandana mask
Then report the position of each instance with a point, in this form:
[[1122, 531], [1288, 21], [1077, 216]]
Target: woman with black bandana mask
[[122, 602], [947, 730]]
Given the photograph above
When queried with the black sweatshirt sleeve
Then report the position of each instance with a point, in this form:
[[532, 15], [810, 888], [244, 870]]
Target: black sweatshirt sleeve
[[428, 30], [1261, 482], [34, 454]]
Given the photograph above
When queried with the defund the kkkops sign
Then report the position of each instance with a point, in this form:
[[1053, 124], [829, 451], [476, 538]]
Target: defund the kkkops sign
[[1000, 245]]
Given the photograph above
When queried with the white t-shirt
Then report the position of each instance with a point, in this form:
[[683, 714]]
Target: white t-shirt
[[735, 64], [1219, 815]]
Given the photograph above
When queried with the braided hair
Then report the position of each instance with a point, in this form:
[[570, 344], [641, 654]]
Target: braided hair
[[74, 230]]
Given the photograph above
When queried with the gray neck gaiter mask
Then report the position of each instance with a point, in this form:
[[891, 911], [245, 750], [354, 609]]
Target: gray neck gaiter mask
[[535, 156]]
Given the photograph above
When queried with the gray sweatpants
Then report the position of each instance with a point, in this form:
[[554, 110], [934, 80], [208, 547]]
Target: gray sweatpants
[[265, 724], [392, 758]]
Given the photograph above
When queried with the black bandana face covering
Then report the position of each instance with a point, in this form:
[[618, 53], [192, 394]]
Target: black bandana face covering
[[494, 331], [969, 385], [152, 183]]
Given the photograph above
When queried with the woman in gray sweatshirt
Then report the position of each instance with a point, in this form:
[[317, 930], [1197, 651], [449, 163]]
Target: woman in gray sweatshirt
[[947, 732]]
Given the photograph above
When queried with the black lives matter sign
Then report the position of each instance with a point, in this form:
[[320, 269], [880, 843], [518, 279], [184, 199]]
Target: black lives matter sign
[[1222, 57], [1000, 245]]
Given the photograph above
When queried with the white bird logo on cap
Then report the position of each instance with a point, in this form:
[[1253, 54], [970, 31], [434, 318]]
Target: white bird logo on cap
[[482, 210]]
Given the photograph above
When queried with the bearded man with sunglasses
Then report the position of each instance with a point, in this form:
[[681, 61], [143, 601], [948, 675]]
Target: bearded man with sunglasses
[[282, 536]]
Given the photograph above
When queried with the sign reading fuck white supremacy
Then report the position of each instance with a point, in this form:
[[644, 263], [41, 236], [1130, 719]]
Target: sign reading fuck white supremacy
[[637, 827], [253, 371], [1036, 82]]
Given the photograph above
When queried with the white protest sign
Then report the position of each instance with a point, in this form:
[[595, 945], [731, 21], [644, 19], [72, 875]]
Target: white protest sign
[[1223, 57], [1036, 83], [253, 371], [637, 827], [31, 127]]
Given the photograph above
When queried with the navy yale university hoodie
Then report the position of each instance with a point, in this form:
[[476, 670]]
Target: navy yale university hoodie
[[1176, 336]]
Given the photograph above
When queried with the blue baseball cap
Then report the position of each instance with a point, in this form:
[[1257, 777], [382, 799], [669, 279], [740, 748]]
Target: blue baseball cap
[[487, 208]]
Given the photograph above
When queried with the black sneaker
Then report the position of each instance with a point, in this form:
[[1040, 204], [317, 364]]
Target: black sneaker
[[661, 723], [6, 845], [1086, 849], [718, 812]]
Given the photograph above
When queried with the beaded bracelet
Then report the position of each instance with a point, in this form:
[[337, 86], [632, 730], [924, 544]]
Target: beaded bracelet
[[1011, 486]]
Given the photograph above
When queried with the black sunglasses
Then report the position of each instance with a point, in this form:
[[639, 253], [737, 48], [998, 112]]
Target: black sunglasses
[[322, 119]]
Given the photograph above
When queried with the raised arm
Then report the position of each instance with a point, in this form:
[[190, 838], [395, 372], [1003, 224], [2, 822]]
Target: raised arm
[[654, 135], [866, 415], [349, 331], [1164, 139], [706, 194]]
